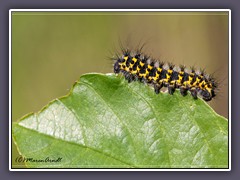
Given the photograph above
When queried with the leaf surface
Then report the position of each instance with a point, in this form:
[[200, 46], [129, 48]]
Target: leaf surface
[[105, 122]]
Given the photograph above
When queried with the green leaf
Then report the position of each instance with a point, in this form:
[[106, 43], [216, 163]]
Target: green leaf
[[105, 122]]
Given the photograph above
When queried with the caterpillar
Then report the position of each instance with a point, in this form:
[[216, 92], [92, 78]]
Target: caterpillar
[[137, 66]]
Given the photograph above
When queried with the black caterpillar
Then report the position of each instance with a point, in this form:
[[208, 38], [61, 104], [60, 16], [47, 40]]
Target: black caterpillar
[[136, 66]]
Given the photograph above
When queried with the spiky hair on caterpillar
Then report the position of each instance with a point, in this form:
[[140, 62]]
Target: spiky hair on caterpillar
[[137, 66]]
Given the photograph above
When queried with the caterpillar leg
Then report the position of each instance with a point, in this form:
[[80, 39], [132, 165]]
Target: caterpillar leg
[[194, 93], [157, 88], [183, 90], [171, 89], [129, 77]]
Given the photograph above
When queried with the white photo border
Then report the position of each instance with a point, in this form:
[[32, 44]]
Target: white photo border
[[118, 10]]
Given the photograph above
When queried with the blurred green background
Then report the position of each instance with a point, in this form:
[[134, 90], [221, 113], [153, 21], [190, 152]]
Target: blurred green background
[[51, 50]]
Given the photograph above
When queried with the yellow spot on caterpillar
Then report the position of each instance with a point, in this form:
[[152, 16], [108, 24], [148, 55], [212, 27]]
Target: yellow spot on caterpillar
[[156, 77], [168, 76], [165, 80], [134, 59], [159, 69], [131, 65], [170, 71], [186, 83], [209, 90], [190, 79], [195, 83], [181, 73], [141, 64], [179, 80], [206, 86], [124, 63], [198, 79], [125, 58], [160, 81], [202, 84], [150, 67]]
